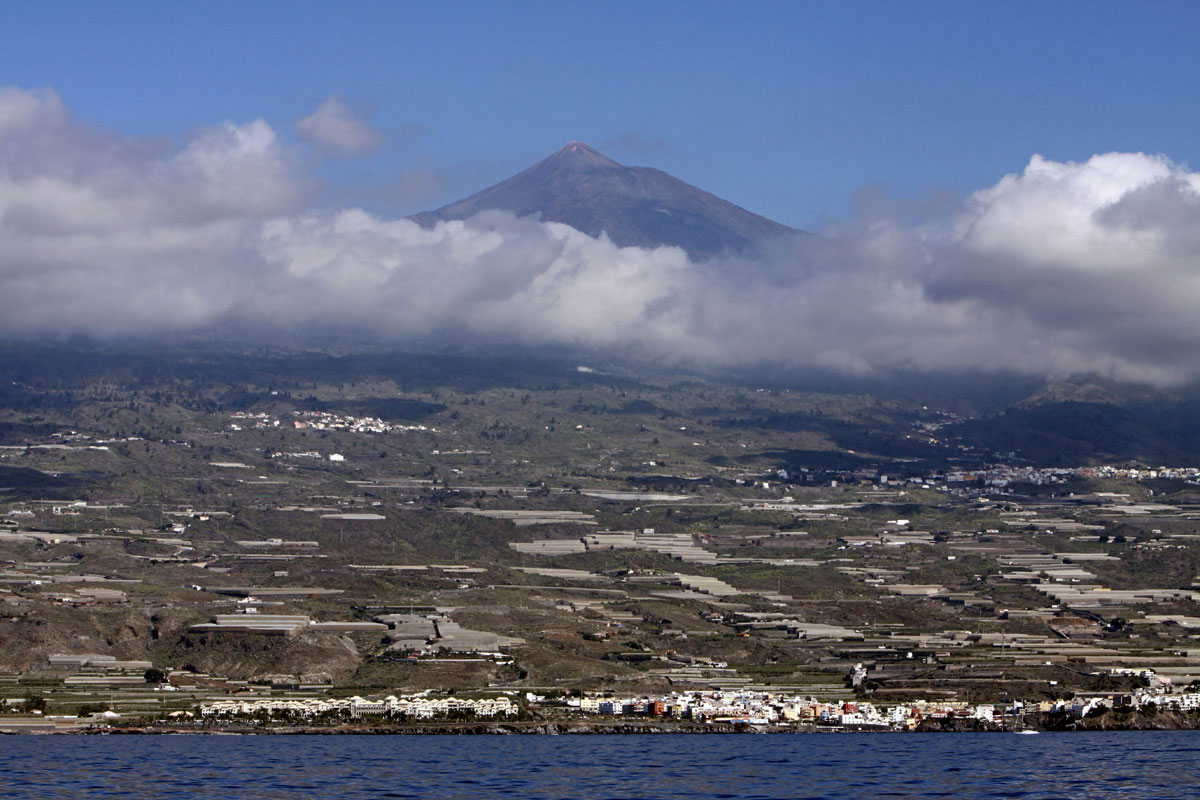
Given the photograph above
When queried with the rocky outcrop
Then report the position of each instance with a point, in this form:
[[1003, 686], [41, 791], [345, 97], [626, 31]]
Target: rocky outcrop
[[1119, 721]]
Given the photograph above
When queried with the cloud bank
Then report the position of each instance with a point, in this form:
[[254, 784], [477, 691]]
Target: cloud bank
[[1063, 268]]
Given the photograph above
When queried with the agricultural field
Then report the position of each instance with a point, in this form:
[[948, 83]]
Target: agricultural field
[[193, 527]]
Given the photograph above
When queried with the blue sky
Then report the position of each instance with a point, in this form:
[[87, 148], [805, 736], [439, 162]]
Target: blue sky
[[786, 108]]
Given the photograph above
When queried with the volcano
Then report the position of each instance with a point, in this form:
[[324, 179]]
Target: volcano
[[634, 206]]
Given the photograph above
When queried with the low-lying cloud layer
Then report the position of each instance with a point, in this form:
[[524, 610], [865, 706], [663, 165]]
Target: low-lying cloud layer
[[1063, 268]]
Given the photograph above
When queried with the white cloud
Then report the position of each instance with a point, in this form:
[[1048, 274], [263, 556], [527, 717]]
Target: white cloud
[[337, 126], [1062, 268], [1051, 211], [20, 109]]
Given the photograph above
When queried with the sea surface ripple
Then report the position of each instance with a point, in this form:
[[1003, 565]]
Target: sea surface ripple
[[625, 767]]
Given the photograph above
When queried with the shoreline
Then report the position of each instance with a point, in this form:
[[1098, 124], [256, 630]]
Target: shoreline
[[1039, 723]]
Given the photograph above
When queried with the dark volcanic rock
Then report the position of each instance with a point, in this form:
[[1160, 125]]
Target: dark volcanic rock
[[1121, 721], [956, 725], [635, 206]]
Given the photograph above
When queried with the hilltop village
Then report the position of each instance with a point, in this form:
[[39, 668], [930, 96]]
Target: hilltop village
[[423, 549]]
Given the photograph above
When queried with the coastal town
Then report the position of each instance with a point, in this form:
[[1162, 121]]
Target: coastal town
[[742, 709], [749, 708]]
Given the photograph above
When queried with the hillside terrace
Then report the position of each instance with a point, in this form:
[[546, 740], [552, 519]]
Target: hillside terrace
[[678, 542]]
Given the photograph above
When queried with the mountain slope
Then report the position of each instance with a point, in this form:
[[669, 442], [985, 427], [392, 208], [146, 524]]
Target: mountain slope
[[635, 206]]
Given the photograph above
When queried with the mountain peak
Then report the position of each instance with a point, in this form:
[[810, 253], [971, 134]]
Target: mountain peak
[[579, 186], [578, 155]]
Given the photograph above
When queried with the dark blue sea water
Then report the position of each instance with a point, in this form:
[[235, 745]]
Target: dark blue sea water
[[1143, 765]]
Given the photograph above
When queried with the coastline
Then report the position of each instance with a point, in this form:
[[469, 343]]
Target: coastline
[[1042, 723]]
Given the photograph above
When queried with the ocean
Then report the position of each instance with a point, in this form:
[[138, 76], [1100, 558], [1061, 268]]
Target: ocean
[[1141, 765]]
